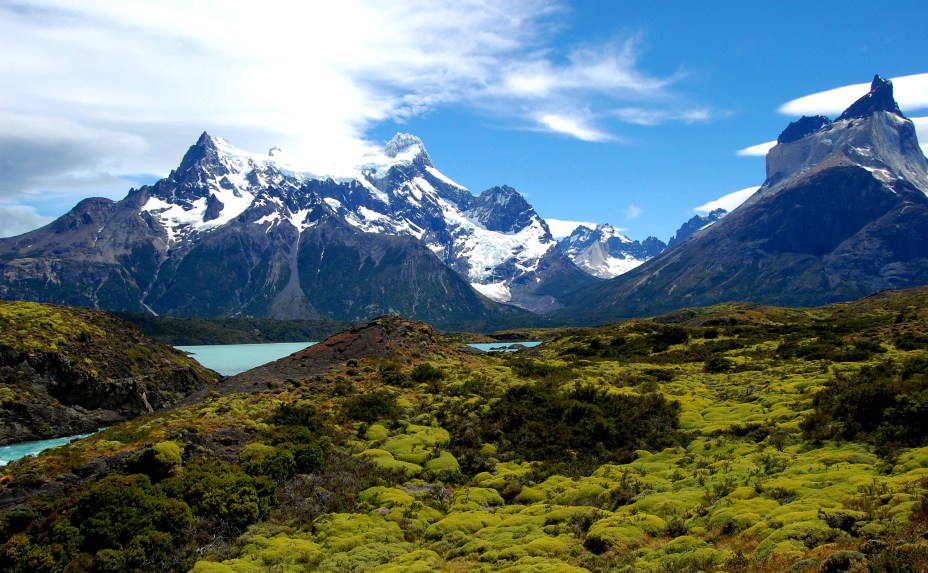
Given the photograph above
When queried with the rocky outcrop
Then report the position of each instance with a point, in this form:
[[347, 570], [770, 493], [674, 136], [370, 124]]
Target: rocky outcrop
[[802, 127], [66, 371], [880, 98], [694, 224]]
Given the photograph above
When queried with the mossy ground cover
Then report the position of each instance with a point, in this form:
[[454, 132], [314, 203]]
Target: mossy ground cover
[[440, 468]]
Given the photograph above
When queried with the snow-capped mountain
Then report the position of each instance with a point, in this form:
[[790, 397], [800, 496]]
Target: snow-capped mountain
[[842, 214], [233, 232], [495, 240], [605, 253]]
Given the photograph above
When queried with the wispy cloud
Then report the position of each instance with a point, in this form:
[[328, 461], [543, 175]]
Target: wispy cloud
[[728, 202], [649, 116], [575, 127], [99, 90], [632, 211]]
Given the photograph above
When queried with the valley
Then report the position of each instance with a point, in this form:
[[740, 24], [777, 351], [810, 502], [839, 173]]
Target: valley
[[706, 439]]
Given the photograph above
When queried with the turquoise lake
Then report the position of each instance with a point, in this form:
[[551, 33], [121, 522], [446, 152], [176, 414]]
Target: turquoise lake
[[232, 359]]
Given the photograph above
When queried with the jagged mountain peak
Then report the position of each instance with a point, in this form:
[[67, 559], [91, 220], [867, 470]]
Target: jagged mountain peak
[[606, 253], [505, 210], [872, 134], [880, 98], [405, 147], [504, 195], [402, 142], [694, 224]]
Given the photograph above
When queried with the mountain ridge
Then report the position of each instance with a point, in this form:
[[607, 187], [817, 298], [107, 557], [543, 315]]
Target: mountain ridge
[[252, 220]]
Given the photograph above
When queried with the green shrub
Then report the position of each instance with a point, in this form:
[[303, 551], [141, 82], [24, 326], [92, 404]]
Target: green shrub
[[540, 422], [717, 364], [302, 414], [168, 454], [426, 373], [218, 492], [371, 407]]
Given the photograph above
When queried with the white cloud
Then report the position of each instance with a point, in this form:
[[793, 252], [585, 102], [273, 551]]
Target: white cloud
[[911, 93], [647, 116], [18, 219], [632, 211], [728, 202], [759, 150], [575, 127], [126, 85], [560, 228]]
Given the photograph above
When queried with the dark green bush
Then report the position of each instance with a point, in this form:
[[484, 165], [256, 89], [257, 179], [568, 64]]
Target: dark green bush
[[717, 364], [426, 373], [298, 414], [540, 422], [371, 407], [219, 492], [886, 405], [392, 375]]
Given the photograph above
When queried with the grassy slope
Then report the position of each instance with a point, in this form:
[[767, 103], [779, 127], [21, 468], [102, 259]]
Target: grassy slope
[[408, 488], [55, 357]]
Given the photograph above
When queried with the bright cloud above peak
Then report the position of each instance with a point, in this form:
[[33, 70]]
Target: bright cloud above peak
[[313, 78]]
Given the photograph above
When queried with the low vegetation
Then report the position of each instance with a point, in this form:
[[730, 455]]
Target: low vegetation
[[735, 438]]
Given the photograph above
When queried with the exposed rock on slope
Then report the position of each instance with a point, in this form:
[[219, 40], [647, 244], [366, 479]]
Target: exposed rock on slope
[[65, 371]]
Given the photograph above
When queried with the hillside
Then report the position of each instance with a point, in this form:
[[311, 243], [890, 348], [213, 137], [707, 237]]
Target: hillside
[[188, 330], [65, 371], [737, 438]]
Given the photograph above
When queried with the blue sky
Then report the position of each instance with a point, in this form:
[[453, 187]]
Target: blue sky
[[629, 113]]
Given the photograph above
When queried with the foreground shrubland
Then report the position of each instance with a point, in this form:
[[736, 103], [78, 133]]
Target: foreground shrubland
[[733, 438]]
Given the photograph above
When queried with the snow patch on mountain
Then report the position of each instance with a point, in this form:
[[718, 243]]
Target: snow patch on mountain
[[495, 291]]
